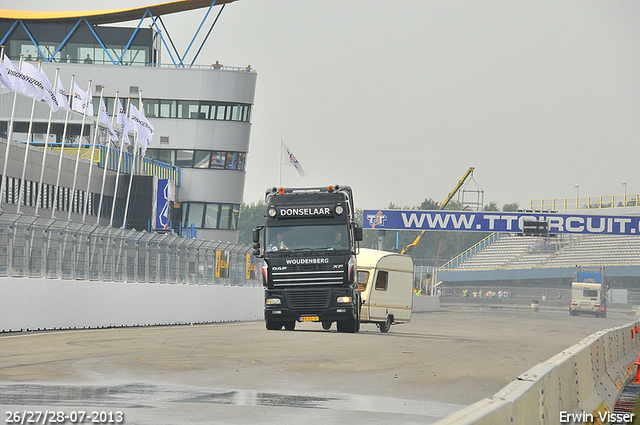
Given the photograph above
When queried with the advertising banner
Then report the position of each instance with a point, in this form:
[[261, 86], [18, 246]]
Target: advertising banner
[[496, 221], [165, 195]]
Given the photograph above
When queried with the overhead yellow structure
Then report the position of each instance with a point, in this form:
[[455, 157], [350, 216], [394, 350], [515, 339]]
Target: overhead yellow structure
[[107, 16], [94, 20], [413, 245]]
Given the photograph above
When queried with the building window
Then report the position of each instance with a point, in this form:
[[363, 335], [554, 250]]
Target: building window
[[211, 215], [184, 158], [231, 162], [187, 109], [194, 213], [188, 158], [218, 159], [201, 159]]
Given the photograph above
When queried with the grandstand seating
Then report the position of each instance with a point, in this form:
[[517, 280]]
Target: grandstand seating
[[522, 252]]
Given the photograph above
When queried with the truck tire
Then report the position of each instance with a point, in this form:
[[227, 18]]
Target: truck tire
[[273, 326], [326, 325], [349, 326], [386, 325], [290, 325]]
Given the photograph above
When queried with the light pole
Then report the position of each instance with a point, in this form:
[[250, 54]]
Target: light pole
[[625, 194], [577, 195]]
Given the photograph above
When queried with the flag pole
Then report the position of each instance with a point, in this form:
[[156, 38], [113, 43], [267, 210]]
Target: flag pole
[[106, 160], [280, 165], [96, 130], [115, 191], [133, 164], [26, 148], [9, 134], [75, 170], [40, 194], [64, 136], [135, 150]]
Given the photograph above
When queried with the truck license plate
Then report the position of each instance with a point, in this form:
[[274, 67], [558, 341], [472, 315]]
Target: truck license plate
[[309, 318]]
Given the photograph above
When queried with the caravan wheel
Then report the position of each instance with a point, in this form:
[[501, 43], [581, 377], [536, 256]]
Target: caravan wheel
[[386, 325]]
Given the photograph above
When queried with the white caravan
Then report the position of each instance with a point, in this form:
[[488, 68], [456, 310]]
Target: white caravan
[[385, 280]]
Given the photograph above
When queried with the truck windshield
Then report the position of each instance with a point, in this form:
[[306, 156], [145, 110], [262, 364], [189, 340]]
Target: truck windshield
[[292, 238]]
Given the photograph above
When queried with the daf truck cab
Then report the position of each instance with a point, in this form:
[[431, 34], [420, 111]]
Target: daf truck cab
[[308, 243]]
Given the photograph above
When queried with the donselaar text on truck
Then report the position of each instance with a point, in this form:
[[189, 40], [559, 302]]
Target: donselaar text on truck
[[309, 242]]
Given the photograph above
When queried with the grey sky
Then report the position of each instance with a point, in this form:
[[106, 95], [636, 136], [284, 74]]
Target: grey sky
[[398, 99]]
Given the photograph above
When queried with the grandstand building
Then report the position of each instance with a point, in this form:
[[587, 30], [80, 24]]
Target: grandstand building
[[512, 257], [201, 116]]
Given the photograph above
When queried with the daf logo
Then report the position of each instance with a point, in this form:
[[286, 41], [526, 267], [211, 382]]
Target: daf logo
[[280, 268]]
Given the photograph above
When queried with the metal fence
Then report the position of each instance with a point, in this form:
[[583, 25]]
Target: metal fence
[[38, 247], [540, 292]]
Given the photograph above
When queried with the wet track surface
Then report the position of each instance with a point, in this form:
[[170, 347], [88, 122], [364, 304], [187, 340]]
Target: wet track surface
[[241, 373], [140, 401]]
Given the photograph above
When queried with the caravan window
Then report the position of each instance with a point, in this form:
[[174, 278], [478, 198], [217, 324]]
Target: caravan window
[[382, 280], [363, 278], [589, 293]]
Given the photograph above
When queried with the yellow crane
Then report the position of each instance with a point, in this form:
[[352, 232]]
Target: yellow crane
[[413, 245]]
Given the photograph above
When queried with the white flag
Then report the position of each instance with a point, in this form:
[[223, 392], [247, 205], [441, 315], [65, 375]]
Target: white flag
[[30, 84], [49, 95], [104, 118], [4, 77], [142, 126], [288, 158], [18, 81], [62, 95], [122, 120], [82, 101]]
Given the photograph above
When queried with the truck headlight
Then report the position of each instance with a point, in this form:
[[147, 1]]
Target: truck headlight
[[343, 300], [273, 301]]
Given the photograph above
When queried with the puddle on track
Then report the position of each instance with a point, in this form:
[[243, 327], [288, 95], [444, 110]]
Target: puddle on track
[[157, 398]]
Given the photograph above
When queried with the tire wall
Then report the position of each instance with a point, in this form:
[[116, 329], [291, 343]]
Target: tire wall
[[587, 377]]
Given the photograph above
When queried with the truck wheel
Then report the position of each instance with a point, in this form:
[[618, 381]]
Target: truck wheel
[[348, 326], [326, 325], [290, 326], [386, 325], [273, 326]]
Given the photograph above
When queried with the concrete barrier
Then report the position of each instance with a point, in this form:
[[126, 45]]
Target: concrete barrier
[[581, 383], [424, 303], [39, 304]]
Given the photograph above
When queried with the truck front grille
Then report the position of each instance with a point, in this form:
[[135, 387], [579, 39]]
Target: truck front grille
[[313, 299], [318, 277]]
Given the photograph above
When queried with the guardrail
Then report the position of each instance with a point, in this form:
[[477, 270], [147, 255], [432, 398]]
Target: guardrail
[[581, 384], [585, 202]]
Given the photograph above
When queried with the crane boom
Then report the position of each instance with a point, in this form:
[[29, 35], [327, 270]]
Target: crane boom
[[413, 245]]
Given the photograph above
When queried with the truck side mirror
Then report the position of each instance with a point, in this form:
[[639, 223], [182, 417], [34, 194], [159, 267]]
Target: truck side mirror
[[357, 232], [256, 234]]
